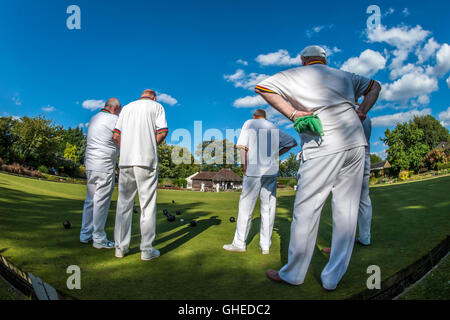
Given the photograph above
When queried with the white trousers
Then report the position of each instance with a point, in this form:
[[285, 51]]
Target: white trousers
[[266, 189], [365, 204], [340, 173], [100, 186], [145, 182]]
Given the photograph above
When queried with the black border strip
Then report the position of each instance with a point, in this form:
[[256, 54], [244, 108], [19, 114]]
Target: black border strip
[[397, 283]]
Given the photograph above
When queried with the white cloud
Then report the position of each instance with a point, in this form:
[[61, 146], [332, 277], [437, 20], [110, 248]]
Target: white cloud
[[403, 38], [93, 104], [279, 58], [48, 108], [368, 63], [165, 98], [16, 100], [83, 125], [410, 85], [389, 12], [249, 102], [442, 61], [330, 51], [448, 82], [315, 30], [246, 81], [409, 68], [243, 62], [406, 12], [444, 117], [393, 119], [423, 54]]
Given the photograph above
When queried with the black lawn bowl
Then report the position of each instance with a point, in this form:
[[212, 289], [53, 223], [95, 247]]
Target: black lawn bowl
[[170, 218], [135, 210], [232, 219], [66, 224], [178, 212], [165, 212], [173, 201], [193, 223]]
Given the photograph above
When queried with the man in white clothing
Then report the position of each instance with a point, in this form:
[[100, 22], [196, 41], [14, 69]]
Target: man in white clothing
[[365, 204], [100, 162], [260, 143], [332, 161], [140, 129]]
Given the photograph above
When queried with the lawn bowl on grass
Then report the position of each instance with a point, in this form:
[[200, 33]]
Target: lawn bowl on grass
[[409, 220]]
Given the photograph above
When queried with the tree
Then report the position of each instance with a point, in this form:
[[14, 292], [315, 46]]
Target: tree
[[218, 154], [74, 137], [375, 158], [290, 166], [406, 148], [36, 140], [435, 158], [70, 152], [433, 131], [166, 166], [6, 139]]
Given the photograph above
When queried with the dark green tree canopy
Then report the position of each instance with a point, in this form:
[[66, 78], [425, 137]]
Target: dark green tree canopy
[[433, 131]]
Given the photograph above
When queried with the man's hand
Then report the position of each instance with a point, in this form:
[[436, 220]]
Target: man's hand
[[300, 114]]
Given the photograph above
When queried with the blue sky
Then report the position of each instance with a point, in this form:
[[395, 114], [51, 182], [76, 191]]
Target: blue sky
[[204, 57]]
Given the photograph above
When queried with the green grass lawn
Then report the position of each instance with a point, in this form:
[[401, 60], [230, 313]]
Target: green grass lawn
[[409, 220], [434, 286], [7, 292]]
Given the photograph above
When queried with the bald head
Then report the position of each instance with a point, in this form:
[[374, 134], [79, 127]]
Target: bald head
[[113, 105], [149, 94], [260, 113]]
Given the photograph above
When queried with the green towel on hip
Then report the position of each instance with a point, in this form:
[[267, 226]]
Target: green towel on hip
[[309, 124]]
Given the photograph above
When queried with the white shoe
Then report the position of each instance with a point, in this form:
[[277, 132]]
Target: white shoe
[[148, 255], [103, 245], [121, 253], [231, 247]]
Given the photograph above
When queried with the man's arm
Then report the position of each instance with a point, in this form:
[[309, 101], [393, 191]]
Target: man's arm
[[160, 137], [285, 149], [369, 99], [116, 138], [243, 153], [284, 107]]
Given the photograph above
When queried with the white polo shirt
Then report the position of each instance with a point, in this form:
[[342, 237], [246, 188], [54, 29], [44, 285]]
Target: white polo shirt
[[139, 123], [101, 150], [330, 94], [263, 139]]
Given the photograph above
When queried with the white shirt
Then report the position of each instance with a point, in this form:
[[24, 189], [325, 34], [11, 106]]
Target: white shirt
[[139, 123], [330, 94], [101, 150], [263, 139]]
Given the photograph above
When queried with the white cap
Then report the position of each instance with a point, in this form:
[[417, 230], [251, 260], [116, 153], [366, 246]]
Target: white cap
[[314, 51]]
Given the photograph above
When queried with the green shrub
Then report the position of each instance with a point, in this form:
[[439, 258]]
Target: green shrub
[[43, 169], [442, 166], [180, 182], [403, 175]]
